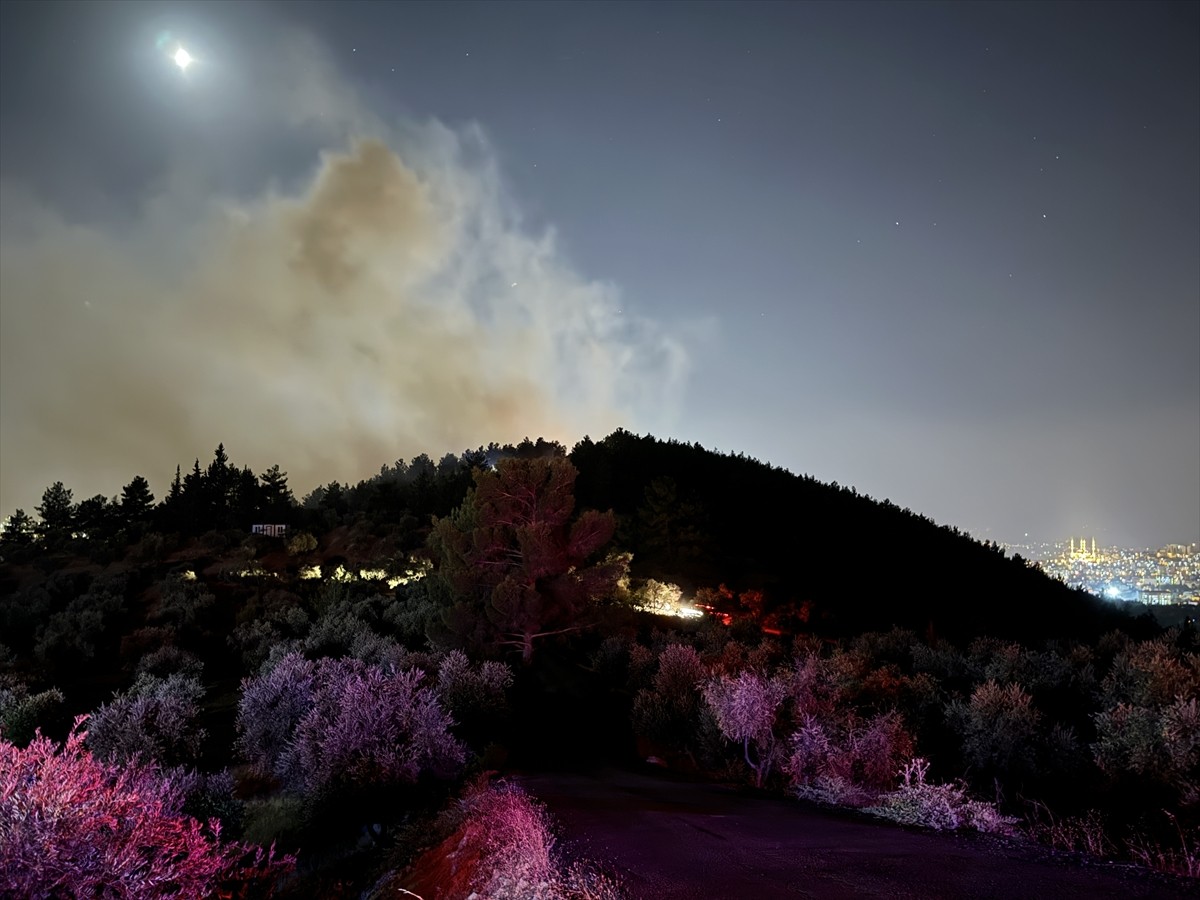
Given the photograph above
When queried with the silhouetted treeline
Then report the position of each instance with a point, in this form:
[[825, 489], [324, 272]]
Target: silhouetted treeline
[[222, 496], [697, 517], [822, 556]]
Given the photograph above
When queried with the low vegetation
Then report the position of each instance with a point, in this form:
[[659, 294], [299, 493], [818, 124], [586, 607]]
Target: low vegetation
[[337, 692]]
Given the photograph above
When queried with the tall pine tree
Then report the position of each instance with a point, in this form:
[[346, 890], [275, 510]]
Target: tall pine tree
[[517, 565]]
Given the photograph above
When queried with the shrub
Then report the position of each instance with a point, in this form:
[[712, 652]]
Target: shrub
[[369, 727], [746, 708], [502, 847], [1151, 673], [999, 729], [466, 690], [170, 660], [817, 685], [152, 548], [71, 825], [255, 638], [850, 757], [667, 710], [320, 725], [1159, 745], [183, 603], [300, 544], [509, 834], [155, 720], [81, 630], [610, 660], [942, 807], [21, 711], [272, 704]]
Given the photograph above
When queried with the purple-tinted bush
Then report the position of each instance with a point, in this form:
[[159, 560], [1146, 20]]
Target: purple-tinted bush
[[942, 807], [369, 727], [155, 720], [170, 660], [73, 826], [847, 750], [746, 708], [341, 722], [465, 689], [272, 705]]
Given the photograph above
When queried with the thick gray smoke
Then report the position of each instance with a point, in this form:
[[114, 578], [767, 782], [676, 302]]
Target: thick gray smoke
[[389, 305]]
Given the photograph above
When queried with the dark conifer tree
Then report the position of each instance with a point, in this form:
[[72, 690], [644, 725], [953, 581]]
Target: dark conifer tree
[[136, 501], [57, 513], [516, 564], [97, 518], [18, 530], [277, 499]]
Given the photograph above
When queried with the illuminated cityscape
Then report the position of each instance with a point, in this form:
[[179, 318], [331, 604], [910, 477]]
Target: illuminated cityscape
[[1169, 575]]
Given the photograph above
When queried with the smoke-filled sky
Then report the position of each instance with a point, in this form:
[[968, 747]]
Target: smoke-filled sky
[[947, 253]]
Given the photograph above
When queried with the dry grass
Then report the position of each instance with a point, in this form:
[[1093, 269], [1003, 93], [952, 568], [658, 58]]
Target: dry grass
[[1182, 860], [502, 847]]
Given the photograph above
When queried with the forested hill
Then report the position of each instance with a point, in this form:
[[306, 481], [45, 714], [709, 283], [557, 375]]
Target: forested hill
[[801, 554], [697, 517]]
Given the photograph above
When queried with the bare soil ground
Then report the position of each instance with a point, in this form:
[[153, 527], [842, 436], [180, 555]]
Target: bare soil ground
[[671, 839]]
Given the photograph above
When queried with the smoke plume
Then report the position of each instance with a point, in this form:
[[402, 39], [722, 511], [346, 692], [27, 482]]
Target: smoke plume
[[388, 303]]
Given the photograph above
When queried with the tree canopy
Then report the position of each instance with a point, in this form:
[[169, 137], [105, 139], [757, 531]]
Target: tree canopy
[[514, 559]]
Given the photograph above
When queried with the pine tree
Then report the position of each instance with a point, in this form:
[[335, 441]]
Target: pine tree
[[57, 512], [94, 517], [136, 500], [169, 514], [514, 558], [18, 530], [245, 502], [277, 499], [195, 514]]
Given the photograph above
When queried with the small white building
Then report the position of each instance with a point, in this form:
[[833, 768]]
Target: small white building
[[269, 530]]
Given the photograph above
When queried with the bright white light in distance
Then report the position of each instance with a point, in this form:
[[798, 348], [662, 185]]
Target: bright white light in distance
[[182, 58]]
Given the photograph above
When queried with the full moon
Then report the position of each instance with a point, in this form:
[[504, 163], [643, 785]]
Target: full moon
[[182, 58]]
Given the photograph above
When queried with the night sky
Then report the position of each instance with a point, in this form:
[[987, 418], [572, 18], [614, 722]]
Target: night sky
[[946, 253]]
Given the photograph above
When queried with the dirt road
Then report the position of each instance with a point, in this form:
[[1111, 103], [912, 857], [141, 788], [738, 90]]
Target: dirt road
[[675, 840]]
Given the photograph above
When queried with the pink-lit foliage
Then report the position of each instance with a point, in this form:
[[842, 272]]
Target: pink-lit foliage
[[73, 826], [271, 706], [341, 722], [746, 708], [502, 847], [942, 807], [851, 755]]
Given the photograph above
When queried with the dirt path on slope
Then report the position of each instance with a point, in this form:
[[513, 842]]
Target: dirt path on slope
[[676, 840]]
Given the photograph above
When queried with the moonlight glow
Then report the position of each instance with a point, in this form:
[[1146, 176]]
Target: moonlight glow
[[182, 58]]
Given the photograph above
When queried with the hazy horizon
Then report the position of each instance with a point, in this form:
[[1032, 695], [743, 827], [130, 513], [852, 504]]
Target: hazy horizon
[[947, 254]]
